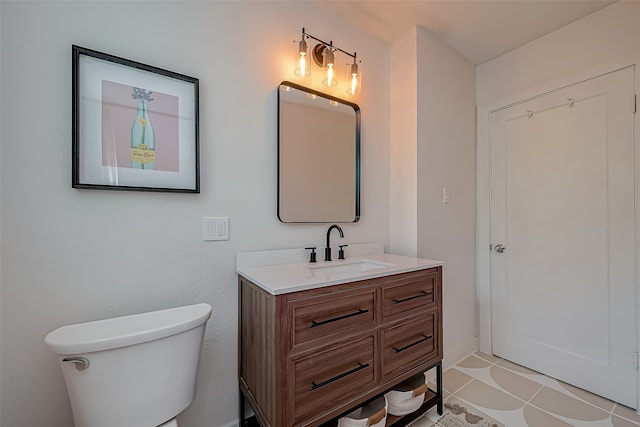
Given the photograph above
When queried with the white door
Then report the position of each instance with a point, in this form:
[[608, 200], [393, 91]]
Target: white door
[[562, 207]]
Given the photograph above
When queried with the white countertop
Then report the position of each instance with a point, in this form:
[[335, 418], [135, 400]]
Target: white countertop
[[288, 270]]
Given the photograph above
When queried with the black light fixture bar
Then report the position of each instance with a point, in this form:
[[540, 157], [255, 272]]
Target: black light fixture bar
[[330, 44]]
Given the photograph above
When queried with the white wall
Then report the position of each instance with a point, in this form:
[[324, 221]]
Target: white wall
[[0, 205], [446, 158], [432, 144], [599, 43], [403, 238], [76, 255], [583, 44]]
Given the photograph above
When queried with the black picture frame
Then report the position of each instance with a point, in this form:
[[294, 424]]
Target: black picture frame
[[116, 105]]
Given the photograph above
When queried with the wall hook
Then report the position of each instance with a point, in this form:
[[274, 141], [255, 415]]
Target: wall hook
[[529, 113], [571, 100]]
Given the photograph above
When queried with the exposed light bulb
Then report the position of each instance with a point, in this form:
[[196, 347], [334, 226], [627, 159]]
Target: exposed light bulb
[[302, 69], [330, 73], [354, 79], [303, 64], [328, 61]]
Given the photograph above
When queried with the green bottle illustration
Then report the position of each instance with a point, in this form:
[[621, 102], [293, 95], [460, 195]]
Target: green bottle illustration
[[143, 142]]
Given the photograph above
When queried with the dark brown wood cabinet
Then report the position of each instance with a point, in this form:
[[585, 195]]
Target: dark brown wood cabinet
[[310, 356]]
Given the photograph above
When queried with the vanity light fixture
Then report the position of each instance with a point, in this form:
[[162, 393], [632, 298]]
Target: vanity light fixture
[[324, 56]]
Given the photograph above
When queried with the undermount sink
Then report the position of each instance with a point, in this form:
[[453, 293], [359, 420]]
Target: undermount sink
[[348, 267], [283, 271]]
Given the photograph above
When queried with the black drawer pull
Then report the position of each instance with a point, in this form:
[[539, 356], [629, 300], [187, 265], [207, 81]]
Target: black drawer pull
[[421, 294], [424, 338], [360, 367], [335, 319]]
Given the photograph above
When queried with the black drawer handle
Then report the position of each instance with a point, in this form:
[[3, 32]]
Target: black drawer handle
[[360, 367], [423, 339], [335, 319], [421, 294]]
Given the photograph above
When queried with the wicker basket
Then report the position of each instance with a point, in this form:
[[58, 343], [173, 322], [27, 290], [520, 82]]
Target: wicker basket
[[374, 414], [407, 396]]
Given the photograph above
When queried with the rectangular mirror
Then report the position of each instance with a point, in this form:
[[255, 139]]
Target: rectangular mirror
[[318, 156]]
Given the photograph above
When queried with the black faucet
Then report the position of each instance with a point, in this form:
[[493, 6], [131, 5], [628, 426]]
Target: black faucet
[[327, 250]]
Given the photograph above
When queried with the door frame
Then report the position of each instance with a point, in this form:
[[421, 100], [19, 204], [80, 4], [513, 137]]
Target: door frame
[[483, 187]]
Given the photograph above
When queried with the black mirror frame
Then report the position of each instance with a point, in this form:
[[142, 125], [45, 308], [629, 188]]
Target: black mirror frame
[[356, 110]]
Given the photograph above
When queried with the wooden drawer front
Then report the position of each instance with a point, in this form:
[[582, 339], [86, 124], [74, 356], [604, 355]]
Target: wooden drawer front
[[325, 379], [408, 344], [409, 294], [324, 316]]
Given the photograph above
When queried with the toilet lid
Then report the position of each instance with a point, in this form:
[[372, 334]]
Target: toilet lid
[[126, 330]]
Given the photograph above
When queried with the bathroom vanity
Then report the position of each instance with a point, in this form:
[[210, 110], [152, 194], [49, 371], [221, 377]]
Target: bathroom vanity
[[319, 339]]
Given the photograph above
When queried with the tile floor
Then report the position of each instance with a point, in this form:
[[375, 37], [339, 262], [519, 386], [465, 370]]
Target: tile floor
[[510, 395]]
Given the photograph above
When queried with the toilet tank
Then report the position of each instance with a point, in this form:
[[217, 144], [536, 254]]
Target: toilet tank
[[141, 368]]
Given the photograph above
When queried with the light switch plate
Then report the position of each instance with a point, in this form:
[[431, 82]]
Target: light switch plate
[[215, 228], [445, 195]]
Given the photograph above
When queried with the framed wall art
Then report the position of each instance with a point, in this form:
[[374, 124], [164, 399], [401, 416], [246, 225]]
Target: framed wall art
[[135, 127]]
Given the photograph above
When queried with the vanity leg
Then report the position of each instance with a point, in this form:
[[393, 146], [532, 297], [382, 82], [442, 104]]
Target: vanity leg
[[242, 422], [246, 422], [439, 388]]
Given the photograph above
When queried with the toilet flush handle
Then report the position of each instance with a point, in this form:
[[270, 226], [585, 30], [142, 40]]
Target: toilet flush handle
[[82, 363]]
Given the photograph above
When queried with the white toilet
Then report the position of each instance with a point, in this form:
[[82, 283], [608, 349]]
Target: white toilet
[[132, 371]]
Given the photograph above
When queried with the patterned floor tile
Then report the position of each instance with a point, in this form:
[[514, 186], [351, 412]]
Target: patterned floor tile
[[515, 396], [474, 362], [517, 385], [535, 417], [516, 368], [594, 399], [484, 396], [621, 422], [453, 380], [627, 413], [488, 357], [564, 405]]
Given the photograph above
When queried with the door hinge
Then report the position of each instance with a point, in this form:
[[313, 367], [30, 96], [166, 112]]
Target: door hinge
[[635, 103], [490, 248], [635, 360]]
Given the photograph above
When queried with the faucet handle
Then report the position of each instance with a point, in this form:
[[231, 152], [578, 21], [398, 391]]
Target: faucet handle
[[341, 251], [312, 255]]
